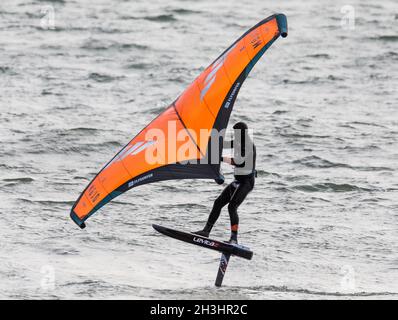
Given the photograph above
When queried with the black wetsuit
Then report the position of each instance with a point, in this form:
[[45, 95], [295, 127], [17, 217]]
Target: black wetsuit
[[235, 193]]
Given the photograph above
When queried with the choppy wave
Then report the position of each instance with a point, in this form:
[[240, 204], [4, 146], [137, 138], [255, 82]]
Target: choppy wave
[[318, 162], [98, 45], [387, 38], [331, 187], [47, 202], [139, 66], [319, 56], [184, 11], [104, 78], [321, 293], [19, 180], [161, 18]]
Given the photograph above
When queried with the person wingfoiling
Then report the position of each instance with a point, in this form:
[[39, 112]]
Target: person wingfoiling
[[244, 162]]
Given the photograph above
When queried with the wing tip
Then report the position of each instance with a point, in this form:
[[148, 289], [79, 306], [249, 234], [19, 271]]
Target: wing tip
[[77, 220], [282, 24]]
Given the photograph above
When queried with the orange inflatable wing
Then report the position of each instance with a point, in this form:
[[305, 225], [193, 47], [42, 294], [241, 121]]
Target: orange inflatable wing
[[176, 145]]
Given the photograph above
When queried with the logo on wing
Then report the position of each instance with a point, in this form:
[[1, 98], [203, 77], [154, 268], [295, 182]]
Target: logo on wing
[[256, 40], [131, 150], [211, 77]]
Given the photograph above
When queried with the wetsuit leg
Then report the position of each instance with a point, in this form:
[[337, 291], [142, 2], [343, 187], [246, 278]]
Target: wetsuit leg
[[219, 203], [237, 198]]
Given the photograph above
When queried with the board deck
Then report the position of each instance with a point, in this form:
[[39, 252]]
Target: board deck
[[220, 246]]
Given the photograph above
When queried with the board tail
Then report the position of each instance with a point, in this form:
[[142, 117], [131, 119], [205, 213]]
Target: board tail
[[222, 269]]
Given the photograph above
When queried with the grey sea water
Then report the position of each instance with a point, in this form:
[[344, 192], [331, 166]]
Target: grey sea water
[[78, 79]]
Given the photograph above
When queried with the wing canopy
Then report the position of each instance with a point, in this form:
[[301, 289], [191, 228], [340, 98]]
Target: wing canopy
[[176, 143]]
